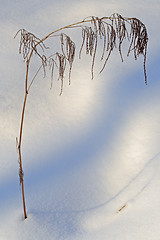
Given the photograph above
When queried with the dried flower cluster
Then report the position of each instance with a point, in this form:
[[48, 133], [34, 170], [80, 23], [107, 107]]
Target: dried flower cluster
[[138, 41], [112, 30], [28, 41]]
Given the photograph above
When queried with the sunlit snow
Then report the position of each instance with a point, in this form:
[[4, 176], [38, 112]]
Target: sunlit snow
[[91, 157]]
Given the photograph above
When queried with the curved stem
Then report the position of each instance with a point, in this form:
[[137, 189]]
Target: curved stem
[[74, 25], [24, 106], [34, 78], [20, 138], [20, 155]]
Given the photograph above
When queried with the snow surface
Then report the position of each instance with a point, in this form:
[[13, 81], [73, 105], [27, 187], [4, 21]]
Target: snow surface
[[91, 157]]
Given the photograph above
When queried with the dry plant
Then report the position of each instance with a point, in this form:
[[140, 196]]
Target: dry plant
[[109, 31]]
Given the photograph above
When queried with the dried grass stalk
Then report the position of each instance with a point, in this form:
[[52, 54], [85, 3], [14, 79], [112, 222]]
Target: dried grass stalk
[[111, 31]]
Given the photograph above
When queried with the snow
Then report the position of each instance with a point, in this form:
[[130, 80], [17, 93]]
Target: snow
[[91, 157]]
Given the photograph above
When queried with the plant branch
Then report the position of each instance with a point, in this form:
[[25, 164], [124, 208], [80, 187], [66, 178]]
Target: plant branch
[[112, 30]]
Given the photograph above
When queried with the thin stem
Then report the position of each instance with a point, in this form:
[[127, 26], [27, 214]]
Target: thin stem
[[21, 181], [22, 120], [74, 25], [24, 107], [20, 138], [34, 78], [68, 26], [20, 155]]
